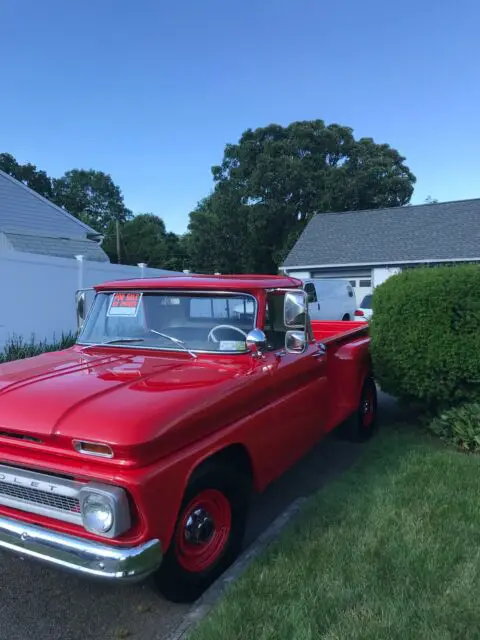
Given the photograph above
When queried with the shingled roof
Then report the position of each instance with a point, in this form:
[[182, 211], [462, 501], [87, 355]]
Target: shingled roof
[[33, 224], [421, 233]]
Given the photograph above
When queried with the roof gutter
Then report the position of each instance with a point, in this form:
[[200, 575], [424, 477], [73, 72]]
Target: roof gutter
[[385, 263]]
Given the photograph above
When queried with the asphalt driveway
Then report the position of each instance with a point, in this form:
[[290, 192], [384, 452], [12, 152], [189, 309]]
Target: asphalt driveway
[[39, 603]]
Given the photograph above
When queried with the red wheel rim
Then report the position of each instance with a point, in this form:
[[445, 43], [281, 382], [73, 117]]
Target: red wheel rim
[[368, 408], [203, 530]]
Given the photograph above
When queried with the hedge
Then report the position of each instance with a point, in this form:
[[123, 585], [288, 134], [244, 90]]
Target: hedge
[[426, 335]]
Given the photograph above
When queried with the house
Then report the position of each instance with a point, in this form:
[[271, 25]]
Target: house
[[32, 224], [367, 247], [46, 255]]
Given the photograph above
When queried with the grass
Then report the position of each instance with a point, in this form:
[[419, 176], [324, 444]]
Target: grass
[[16, 348], [390, 551]]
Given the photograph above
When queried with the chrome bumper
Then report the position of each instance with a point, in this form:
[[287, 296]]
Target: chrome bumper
[[83, 557]]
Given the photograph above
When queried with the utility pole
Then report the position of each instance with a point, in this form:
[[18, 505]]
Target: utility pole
[[117, 224]]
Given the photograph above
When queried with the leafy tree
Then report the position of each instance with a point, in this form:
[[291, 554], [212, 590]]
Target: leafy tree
[[177, 256], [91, 196], [276, 178], [144, 238], [218, 234], [28, 174]]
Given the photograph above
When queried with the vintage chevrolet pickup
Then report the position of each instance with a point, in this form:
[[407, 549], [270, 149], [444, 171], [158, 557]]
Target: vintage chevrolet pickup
[[136, 451]]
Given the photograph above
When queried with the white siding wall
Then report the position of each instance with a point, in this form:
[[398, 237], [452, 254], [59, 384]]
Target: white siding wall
[[380, 274], [39, 292]]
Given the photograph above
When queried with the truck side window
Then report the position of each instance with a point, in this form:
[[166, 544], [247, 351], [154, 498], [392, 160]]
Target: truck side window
[[311, 292]]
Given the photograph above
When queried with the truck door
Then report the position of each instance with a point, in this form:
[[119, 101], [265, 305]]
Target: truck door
[[298, 393]]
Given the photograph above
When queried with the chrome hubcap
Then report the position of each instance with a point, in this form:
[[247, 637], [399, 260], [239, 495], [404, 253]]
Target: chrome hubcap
[[199, 527]]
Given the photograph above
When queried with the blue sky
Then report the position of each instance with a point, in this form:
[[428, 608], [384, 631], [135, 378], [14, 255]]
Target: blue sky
[[151, 91]]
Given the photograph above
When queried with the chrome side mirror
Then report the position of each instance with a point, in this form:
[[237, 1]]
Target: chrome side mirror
[[295, 341], [256, 342], [81, 306], [295, 309]]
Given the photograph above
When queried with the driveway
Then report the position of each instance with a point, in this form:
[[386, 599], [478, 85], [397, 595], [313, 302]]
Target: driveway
[[40, 604]]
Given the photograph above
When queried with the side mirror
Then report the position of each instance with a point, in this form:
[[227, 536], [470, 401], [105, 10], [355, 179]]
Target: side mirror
[[256, 342], [81, 306], [295, 309], [295, 341]]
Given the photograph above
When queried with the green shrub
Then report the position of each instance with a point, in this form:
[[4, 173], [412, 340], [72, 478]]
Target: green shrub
[[459, 426], [426, 335], [16, 348]]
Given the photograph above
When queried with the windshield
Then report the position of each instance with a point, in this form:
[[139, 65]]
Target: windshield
[[175, 321], [366, 302]]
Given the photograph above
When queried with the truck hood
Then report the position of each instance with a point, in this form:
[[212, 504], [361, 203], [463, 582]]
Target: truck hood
[[127, 400]]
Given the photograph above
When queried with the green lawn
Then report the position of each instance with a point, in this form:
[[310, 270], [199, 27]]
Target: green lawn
[[392, 550]]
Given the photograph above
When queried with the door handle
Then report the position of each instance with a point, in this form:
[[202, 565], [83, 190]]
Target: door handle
[[322, 350]]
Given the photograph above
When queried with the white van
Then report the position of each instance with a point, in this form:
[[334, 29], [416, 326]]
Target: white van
[[330, 299]]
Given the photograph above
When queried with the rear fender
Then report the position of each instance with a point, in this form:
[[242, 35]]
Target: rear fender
[[349, 366]]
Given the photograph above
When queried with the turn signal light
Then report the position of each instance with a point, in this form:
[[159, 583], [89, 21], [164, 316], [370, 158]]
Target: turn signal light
[[359, 313], [93, 448]]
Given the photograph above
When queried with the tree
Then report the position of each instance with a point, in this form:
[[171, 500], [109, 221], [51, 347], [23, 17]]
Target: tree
[[91, 196], [28, 174], [144, 238], [218, 234], [276, 178]]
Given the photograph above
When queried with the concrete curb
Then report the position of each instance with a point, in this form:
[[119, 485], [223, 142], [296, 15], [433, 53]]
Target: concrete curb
[[202, 607]]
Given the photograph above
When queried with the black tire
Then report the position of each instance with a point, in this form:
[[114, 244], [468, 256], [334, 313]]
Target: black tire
[[177, 579], [364, 422], [346, 318]]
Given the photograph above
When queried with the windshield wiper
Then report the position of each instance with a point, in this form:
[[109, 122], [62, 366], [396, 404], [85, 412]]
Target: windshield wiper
[[120, 340], [113, 341], [181, 343]]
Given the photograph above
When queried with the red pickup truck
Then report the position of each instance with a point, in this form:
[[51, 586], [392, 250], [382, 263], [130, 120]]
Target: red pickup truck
[[136, 451]]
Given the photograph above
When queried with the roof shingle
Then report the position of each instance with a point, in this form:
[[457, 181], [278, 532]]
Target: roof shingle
[[429, 232], [33, 224]]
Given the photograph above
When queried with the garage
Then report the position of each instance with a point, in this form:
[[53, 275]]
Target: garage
[[368, 247]]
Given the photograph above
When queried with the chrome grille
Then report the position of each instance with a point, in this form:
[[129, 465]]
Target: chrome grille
[[63, 503], [47, 495]]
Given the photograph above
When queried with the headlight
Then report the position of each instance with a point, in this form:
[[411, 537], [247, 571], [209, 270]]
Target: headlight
[[97, 514], [105, 509]]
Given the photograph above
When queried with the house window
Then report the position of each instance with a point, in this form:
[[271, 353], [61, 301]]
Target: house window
[[353, 283], [365, 283]]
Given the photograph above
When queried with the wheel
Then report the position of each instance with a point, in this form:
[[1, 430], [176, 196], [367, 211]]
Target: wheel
[[365, 420], [346, 317], [208, 534]]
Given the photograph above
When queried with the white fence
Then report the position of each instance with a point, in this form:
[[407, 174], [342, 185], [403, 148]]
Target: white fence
[[39, 292]]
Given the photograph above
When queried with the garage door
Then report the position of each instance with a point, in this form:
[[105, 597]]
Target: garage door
[[360, 280]]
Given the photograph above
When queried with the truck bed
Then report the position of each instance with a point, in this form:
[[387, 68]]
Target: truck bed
[[333, 331]]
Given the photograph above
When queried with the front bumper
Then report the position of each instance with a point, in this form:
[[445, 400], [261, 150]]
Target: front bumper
[[80, 556]]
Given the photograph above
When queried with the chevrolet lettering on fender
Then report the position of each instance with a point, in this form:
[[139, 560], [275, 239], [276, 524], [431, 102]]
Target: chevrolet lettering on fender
[[137, 451]]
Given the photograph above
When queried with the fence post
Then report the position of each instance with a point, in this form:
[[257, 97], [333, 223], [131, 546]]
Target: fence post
[[80, 271]]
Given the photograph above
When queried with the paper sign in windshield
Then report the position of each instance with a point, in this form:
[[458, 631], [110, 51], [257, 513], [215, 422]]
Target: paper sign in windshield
[[125, 304]]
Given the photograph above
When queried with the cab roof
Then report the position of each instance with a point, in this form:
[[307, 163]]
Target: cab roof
[[204, 282]]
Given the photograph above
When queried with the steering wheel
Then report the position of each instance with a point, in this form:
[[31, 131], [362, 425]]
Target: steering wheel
[[211, 334]]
